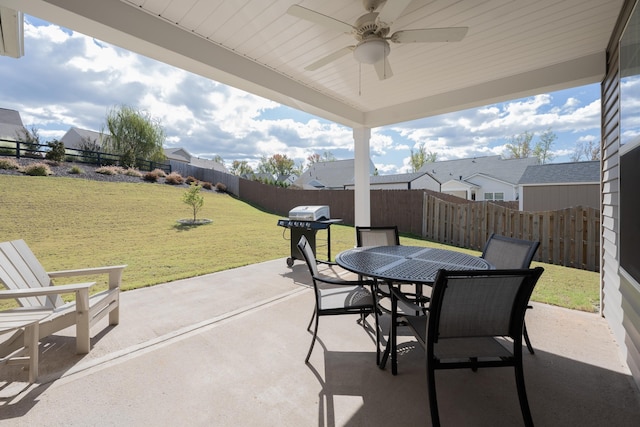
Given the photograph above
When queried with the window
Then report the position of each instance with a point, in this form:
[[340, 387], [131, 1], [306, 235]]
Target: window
[[494, 196]]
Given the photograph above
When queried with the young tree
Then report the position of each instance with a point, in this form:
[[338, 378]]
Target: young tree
[[193, 198], [421, 156], [30, 139], [134, 135]]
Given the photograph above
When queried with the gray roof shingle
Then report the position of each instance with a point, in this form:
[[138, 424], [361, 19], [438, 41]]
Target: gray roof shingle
[[507, 170], [562, 173]]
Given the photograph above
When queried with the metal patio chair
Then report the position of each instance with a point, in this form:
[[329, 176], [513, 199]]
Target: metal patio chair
[[509, 252], [335, 296], [475, 320]]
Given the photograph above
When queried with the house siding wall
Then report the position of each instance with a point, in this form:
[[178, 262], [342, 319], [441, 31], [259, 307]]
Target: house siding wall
[[551, 197], [491, 186], [620, 298]]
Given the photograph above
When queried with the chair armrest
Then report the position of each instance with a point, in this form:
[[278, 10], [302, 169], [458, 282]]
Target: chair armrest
[[114, 271], [397, 294], [49, 290], [332, 281]]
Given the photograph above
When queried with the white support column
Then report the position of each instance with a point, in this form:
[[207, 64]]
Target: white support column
[[362, 202]]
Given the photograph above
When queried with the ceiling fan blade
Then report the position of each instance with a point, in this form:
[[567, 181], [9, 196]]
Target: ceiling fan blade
[[329, 58], [318, 18], [390, 11], [430, 35], [383, 68]]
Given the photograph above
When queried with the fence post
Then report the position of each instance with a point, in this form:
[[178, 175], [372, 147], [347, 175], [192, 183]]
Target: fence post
[[18, 149]]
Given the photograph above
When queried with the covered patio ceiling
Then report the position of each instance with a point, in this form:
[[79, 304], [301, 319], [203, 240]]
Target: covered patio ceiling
[[512, 49]]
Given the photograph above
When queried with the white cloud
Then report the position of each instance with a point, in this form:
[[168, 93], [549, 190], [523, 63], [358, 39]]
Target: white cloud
[[67, 79]]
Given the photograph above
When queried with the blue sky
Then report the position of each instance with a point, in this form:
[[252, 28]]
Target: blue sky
[[69, 80]]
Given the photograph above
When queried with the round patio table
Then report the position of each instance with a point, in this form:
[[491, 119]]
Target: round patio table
[[405, 264]]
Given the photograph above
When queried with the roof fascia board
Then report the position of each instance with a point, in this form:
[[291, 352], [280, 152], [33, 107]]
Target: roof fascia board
[[492, 178], [572, 73], [548, 184]]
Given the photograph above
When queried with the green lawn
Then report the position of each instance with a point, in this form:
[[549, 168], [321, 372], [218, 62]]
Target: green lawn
[[74, 223]]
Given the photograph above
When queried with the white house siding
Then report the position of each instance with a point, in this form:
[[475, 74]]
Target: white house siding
[[620, 298], [425, 182], [488, 185]]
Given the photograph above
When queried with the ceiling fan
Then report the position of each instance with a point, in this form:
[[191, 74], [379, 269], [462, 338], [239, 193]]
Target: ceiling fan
[[371, 32]]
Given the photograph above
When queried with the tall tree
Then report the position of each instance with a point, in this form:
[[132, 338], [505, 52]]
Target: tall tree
[[519, 146], [542, 149], [240, 168], [134, 135], [421, 156], [327, 156], [276, 165], [585, 151]]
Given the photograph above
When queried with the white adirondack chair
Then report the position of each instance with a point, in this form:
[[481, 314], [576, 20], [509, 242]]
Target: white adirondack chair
[[28, 282]]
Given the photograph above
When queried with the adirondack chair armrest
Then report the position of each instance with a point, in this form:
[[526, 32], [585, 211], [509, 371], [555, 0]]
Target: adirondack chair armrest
[[114, 271], [78, 288]]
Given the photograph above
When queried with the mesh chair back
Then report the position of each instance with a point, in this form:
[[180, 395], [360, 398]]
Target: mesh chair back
[[377, 236], [507, 252], [480, 303], [309, 257]]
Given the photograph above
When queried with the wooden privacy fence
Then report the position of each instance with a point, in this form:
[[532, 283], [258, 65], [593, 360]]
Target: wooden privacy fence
[[568, 237]]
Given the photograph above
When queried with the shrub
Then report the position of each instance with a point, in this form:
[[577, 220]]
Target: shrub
[[56, 151], [159, 172], [207, 185], [37, 169], [76, 170], [133, 172], [109, 170], [221, 187], [191, 180], [9, 164], [151, 176], [174, 178]]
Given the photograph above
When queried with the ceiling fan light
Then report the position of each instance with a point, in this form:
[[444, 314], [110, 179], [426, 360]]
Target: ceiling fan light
[[371, 51]]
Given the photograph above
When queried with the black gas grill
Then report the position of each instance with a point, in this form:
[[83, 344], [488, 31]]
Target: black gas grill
[[306, 221]]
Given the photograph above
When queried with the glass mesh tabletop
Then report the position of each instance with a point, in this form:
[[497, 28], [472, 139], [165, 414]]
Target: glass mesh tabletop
[[407, 263]]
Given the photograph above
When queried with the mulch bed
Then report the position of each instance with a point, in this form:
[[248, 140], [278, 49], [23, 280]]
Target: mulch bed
[[62, 170]]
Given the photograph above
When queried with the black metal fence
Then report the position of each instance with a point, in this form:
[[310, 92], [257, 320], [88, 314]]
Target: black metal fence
[[34, 150]]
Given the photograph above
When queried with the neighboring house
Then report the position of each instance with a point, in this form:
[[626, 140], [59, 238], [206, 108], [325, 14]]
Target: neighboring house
[[76, 138], [11, 127], [402, 181], [178, 154], [287, 179], [182, 156], [208, 164], [332, 175], [560, 185], [479, 178]]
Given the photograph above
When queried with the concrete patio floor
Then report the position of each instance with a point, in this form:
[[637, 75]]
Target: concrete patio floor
[[227, 349]]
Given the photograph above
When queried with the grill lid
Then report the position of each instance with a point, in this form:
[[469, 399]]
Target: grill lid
[[309, 213]]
